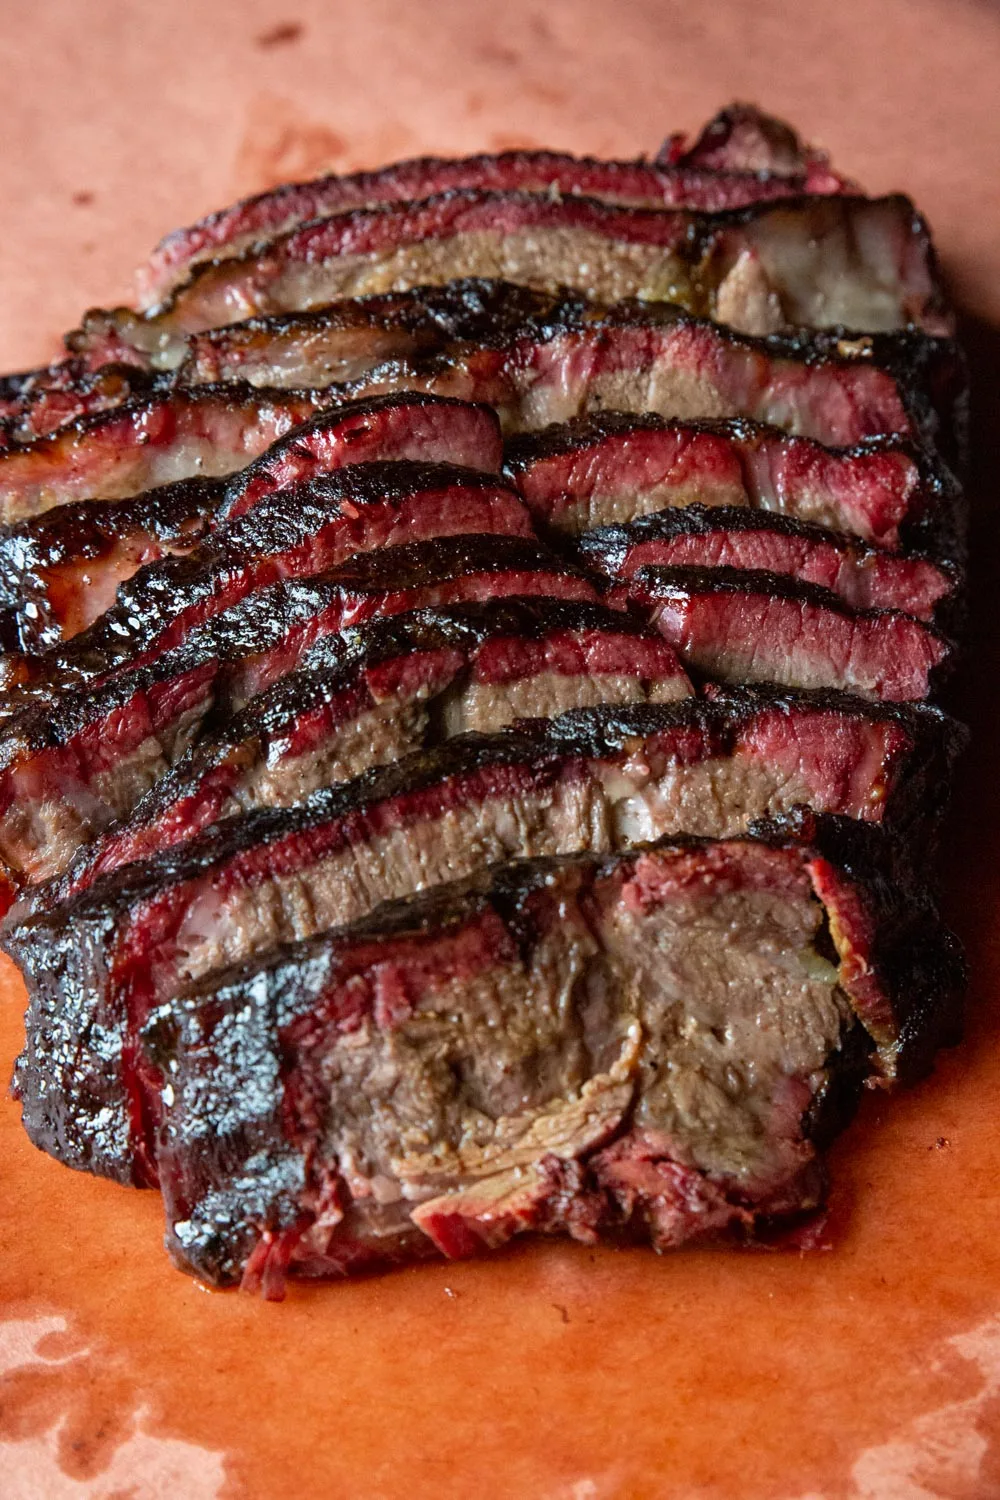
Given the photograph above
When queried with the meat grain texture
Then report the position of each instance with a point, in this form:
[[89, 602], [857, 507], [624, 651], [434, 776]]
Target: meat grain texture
[[468, 763]]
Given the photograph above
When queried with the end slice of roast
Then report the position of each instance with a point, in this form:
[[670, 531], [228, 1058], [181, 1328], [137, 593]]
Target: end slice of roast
[[635, 183], [820, 262], [738, 626], [597, 780], [211, 431], [425, 1081], [74, 757], [701, 536], [615, 467], [409, 682]]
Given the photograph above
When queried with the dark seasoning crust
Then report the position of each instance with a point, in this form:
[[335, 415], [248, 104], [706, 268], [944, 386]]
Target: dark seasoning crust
[[298, 936]]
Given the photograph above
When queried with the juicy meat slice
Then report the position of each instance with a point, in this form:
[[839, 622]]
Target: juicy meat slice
[[216, 430], [59, 571], [148, 442], [421, 1083], [644, 358], [636, 183], [742, 139], [49, 399], [19, 386], [293, 533], [543, 359], [409, 682], [617, 467], [594, 781], [75, 756], [819, 262], [738, 626], [702, 536], [403, 425], [334, 343], [337, 343]]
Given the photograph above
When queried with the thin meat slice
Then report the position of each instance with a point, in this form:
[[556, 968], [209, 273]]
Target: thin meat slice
[[594, 781], [415, 1085], [636, 183], [735, 625], [212, 431], [701, 536], [48, 400], [59, 571], [542, 359], [819, 262], [147, 442], [641, 359], [19, 386], [616, 467], [293, 533], [403, 425], [334, 343], [409, 682], [74, 756]]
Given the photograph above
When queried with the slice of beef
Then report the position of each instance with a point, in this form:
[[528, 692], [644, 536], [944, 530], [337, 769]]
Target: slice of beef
[[342, 340], [337, 342], [635, 183], [147, 442], [19, 386], [368, 585], [404, 425], [542, 359], [410, 682], [48, 401], [817, 262], [423, 1082], [74, 758], [598, 780], [616, 467], [211, 431], [294, 533], [735, 625], [646, 358], [59, 571], [742, 139], [701, 536]]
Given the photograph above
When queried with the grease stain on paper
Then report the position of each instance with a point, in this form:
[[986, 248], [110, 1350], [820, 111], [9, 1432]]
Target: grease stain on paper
[[68, 1430]]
